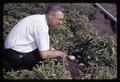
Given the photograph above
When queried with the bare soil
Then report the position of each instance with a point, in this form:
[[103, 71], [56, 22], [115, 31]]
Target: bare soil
[[103, 24]]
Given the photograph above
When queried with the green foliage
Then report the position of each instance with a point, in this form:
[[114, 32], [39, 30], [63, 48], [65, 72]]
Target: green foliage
[[8, 22], [73, 36], [46, 70]]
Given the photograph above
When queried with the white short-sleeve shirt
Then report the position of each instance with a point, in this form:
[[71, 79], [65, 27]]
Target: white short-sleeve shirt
[[29, 34]]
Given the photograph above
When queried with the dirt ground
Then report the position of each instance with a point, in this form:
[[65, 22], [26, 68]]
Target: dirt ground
[[102, 24]]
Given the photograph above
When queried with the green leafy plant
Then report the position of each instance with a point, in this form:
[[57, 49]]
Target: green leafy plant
[[74, 37], [45, 70]]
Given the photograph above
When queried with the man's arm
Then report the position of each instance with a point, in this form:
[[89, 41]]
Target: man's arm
[[52, 54]]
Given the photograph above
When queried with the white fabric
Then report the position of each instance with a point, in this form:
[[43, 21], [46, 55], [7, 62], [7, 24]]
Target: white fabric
[[28, 34]]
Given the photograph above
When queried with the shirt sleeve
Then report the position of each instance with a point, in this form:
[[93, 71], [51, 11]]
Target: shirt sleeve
[[42, 38]]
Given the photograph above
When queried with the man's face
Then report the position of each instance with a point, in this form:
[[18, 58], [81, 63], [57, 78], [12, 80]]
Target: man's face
[[56, 18]]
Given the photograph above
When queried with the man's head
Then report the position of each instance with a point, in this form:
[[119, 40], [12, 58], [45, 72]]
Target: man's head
[[54, 15]]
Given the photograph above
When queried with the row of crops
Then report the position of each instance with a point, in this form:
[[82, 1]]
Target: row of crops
[[73, 36]]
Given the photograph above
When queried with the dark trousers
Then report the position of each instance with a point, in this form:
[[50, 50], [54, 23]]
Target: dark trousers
[[17, 60]]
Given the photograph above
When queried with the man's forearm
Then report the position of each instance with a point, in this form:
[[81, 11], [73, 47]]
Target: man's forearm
[[52, 54]]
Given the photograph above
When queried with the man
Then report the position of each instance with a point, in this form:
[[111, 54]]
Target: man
[[28, 41]]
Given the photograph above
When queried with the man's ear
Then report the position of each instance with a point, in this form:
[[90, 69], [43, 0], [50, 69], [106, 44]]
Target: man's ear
[[50, 17]]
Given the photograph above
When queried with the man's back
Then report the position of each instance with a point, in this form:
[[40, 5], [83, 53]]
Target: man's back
[[22, 36]]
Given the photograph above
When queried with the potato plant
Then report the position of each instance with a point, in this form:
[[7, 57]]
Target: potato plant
[[74, 37]]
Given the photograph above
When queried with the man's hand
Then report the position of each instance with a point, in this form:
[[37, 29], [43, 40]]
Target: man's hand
[[59, 53]]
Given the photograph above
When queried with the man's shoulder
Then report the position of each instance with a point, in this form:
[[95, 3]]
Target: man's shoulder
[[35, 16]]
